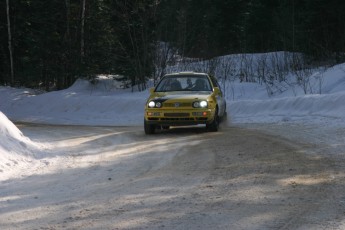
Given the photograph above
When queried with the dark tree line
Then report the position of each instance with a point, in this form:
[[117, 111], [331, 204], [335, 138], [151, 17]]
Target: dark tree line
[[55, 41], [207, 28], [50, 43]]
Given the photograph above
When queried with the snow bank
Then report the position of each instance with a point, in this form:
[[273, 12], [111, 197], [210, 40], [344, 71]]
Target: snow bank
[[309, 107], [16, 150], [82, 104]]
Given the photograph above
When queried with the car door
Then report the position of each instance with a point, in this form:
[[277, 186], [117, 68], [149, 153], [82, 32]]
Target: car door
[[220, 97]]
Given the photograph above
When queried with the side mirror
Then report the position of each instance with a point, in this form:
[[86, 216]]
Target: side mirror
[[152, 90]]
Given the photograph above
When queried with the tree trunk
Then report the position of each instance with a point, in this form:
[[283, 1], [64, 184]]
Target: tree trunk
[[10, 40], [82, 51]]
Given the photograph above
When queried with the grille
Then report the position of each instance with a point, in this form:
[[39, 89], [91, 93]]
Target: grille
[[177, 104], [201, 118], [176, 114], [177, 119]]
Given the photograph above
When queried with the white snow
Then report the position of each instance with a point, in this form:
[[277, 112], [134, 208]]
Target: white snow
[[17, 152], [104, 104], [44, 173]]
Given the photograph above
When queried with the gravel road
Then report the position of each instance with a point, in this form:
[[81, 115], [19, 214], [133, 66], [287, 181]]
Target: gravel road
[[119, 178]]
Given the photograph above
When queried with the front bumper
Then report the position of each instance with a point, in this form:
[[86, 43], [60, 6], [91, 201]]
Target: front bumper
[[179, 117]]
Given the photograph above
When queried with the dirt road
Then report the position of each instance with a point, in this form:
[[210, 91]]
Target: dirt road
[[119, 178]]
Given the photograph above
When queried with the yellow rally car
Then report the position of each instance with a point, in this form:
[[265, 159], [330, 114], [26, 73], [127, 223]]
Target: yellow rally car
[[185, 98]]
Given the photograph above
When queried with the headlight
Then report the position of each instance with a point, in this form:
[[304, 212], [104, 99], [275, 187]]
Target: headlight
[[199, 104], [153, 104], [203, 104], [158, 104]]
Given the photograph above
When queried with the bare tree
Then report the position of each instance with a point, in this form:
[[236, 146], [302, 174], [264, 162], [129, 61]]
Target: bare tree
[[213, 65], [82, 48], [320, 79], [227, 73], [303, 73], [262, 69], [164, 55], [10, 40], [246, 68]]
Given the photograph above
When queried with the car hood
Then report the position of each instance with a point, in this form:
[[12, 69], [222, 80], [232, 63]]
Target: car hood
[[180, 95]]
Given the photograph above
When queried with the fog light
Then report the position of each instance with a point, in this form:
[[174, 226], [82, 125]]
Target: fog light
[[153, 114], [199, 114]]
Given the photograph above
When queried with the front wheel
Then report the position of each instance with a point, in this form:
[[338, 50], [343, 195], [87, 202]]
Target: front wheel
[[149, 129], [224, 117], [214, 125]]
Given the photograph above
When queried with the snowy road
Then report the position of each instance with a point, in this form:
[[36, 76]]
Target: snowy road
[[118, 178]]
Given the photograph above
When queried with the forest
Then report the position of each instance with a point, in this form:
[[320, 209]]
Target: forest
[[49, 44]]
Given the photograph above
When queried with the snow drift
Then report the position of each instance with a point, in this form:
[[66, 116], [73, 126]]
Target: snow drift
[[16, 150]]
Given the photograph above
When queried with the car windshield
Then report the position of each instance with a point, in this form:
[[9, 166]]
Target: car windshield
[[184, 83]]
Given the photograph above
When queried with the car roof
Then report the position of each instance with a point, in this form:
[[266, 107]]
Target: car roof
[[186, 73]]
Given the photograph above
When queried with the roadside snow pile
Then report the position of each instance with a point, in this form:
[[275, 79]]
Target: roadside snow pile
[[308, 108], [81, 104], [16, 150]]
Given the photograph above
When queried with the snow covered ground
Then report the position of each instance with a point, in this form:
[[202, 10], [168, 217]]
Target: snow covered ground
[[313, 118], [105, 105]]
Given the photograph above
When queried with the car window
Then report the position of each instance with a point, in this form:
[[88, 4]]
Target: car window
[[215, 83], [184, 83]]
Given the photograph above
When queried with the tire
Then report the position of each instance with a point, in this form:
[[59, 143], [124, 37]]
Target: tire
[[214, 125], [149, 129], [224, 118]]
